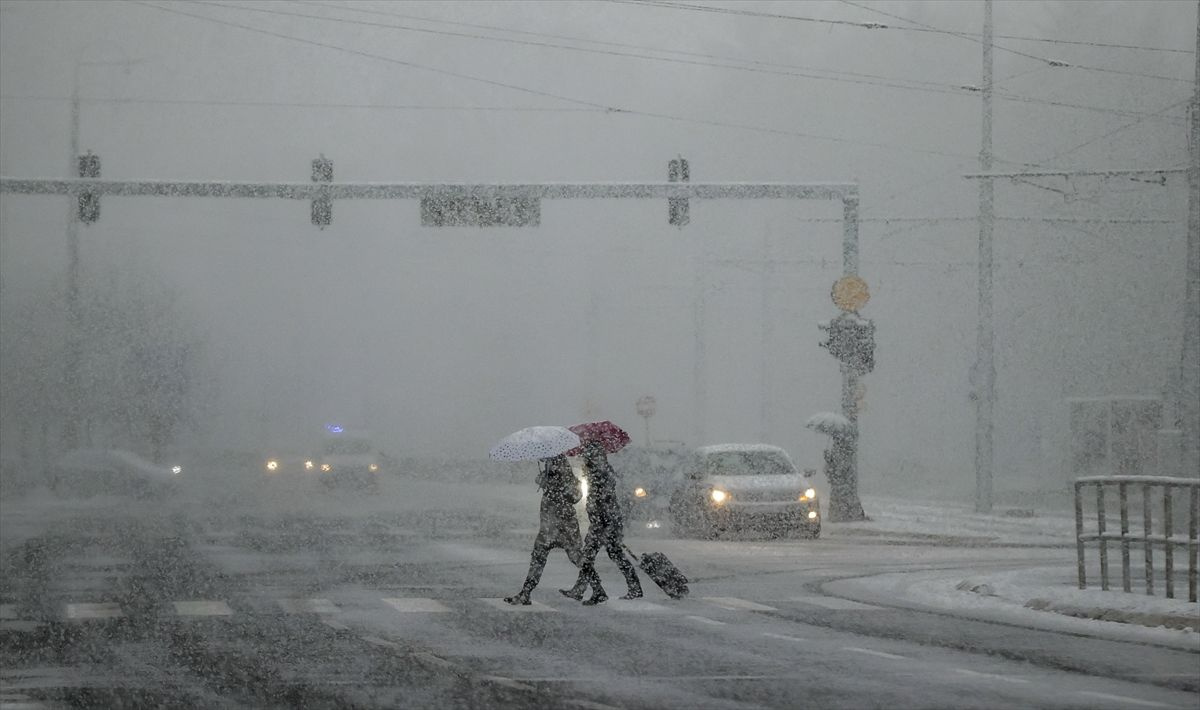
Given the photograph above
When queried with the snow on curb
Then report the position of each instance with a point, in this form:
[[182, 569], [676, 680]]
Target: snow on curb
[[1004, 597]]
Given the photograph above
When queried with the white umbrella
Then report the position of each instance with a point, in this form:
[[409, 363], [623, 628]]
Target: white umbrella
[[830, 423], [533, 443]]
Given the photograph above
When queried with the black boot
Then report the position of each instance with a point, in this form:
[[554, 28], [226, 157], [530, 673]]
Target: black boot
[[575, 592], [634, 593], [521, 598], [598, 597]]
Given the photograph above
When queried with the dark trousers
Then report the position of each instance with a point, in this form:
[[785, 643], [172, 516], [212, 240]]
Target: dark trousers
[[610, 537], [562, 534]]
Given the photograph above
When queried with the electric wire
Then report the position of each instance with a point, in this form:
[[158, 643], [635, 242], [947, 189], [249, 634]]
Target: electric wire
[[537, 92], [886, 82]]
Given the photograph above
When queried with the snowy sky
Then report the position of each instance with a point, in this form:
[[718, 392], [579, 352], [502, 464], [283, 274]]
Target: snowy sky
[[443, 340]]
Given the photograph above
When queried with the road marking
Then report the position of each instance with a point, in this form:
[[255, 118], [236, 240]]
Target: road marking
[[308, 606], [526, 608], [705, 620], [590, 705], [835, 603], [738, 604], [636, 605], [783, 637], [94, 611], [8, 611], [1010, 679], [416, 604], [507, 682], [202, 608], [869, 652], [335, 625], [435, 660], [1122, 699], [376, 641]]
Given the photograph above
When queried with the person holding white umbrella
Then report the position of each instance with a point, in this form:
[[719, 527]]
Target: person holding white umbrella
[[559, 527]]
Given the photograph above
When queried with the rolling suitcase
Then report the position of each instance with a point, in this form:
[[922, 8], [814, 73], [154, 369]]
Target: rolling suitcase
[[665, 574]]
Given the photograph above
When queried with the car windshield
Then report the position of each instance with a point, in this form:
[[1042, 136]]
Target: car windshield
[[746, 463], [348, 446]]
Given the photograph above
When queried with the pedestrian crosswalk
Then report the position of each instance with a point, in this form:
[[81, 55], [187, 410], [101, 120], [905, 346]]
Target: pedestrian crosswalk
[[324, 607]]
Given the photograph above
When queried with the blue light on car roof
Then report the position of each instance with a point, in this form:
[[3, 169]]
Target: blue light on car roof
[[334, 428]]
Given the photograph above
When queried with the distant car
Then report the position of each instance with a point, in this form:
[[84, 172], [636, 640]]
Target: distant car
[[647, 474], [93, 472], [744, 487], [348, 458], [276, 467]]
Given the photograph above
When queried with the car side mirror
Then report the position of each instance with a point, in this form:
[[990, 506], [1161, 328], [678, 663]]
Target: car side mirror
[[810, 472]]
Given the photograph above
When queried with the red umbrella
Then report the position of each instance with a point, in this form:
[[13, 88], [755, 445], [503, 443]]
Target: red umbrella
[[612, 437]]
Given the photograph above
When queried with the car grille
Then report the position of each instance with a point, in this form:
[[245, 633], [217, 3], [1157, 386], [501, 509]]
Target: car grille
[[768, 495]]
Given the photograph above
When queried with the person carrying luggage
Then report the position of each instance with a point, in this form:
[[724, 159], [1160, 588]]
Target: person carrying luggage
[[606, 528]]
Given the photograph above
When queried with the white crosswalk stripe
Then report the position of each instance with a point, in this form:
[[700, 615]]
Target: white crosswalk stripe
[[835, 603], [738, 604], [526, 608], [94, 611], [416, 604], [202, 608], [636, 606], [308, 606]]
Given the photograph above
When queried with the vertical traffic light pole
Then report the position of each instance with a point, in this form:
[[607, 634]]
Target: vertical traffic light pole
[[849, 374]]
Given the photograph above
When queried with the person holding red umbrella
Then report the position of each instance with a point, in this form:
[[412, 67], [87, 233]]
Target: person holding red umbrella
[[606, 529]]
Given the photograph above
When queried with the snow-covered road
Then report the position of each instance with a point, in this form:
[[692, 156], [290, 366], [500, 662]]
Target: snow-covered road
[[280, 597]]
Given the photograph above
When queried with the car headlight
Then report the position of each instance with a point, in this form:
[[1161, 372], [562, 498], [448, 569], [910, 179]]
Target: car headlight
[[809, 494], [639, 492], [812, 515], [718, 496], [373, 467], [326, 467], [308, 465], [177, 470], [272, 465]]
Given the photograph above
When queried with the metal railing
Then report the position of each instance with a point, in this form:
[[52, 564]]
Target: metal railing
[[1166, 539]]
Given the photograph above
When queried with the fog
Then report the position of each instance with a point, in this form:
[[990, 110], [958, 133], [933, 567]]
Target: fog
[[443, 339]]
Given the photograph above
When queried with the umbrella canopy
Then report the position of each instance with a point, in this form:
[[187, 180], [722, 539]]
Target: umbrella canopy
[[612, 437], [830, 423], [533, 443]]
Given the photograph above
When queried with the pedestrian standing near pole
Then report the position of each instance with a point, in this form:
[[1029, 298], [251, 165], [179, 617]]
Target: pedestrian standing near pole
[[606, 529], [559, 526]]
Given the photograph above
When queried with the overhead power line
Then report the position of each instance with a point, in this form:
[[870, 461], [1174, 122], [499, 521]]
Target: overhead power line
[[879, 26], [902, 82], [538, 92], [930, 87], [845, 77], [1010, 50], [304, 104]]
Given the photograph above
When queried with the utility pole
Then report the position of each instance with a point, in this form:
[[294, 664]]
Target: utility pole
[[984, 373], [1188, 393], [74, 354]]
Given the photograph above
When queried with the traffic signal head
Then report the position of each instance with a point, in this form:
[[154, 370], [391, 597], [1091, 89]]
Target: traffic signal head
[[677, 207], [89, 202], [851, 341]]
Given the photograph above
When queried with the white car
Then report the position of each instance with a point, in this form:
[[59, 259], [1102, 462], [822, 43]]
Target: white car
[[92, 472], [744, 487], [348, 457]]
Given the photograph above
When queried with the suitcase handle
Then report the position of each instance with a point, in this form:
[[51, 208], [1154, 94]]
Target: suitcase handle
[[635, 557]]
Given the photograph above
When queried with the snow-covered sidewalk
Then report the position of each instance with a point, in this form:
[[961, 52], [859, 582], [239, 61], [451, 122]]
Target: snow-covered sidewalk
[[1040, 596], [953, 523]]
